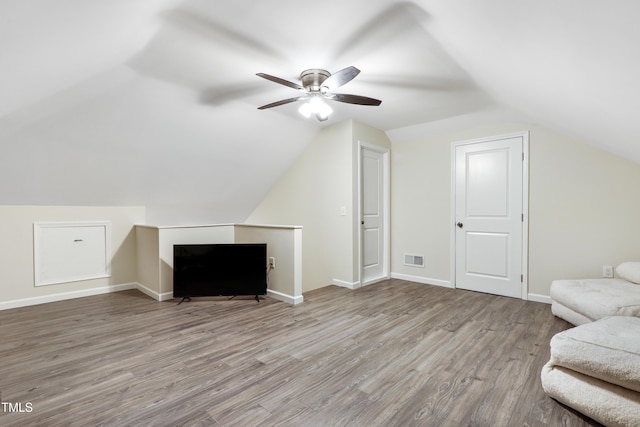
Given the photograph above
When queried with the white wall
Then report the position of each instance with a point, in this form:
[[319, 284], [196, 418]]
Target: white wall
[[584, 205], [284, 244], [155, 254], [148, 260], [16, 252], [311, 194], [421, 207], [581, 206]]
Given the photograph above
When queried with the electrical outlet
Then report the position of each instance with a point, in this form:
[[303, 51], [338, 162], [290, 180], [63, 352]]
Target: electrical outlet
[[607, 271], [272, 262]]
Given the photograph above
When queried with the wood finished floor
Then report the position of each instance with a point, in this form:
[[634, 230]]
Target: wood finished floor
[[391, 354]]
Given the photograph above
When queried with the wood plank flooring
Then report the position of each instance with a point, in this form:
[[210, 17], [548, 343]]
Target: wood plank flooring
[[391, 354]]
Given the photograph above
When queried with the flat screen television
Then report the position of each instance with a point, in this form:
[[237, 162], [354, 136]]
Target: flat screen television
[[201, 270]]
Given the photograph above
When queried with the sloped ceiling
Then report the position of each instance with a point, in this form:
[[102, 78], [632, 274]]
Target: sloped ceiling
[[153, 102]]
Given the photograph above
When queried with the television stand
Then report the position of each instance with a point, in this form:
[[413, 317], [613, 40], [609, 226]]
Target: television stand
[[184, 298], [257, 298]]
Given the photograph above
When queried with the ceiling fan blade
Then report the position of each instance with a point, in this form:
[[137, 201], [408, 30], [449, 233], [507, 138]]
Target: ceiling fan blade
[[354, 99], [280, 81], [198, 24], [386, 25], [222, 94], [174, 53], [340, 78], [424, 83], [282, 102]]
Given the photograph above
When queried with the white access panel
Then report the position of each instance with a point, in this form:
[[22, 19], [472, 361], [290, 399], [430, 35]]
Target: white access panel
[[71, 251]]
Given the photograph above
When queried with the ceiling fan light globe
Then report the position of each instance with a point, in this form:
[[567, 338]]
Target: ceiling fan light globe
[[315, 103], [306, 110], [324, 110], [315, 106]]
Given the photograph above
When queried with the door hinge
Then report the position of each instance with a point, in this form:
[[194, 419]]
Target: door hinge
[[521, 278], [522, 217], [523, 157]]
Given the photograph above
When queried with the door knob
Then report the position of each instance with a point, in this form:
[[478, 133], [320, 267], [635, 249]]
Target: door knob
[[459, 225]]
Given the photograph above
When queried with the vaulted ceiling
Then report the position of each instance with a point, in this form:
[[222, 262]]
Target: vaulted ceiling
[[154, 102]]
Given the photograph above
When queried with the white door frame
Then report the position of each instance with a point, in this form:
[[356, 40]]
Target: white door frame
[[386, 180], [525, 205]]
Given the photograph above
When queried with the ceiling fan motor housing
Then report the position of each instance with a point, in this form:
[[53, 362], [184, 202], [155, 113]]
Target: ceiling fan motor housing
[[313, 78], [319, 83]]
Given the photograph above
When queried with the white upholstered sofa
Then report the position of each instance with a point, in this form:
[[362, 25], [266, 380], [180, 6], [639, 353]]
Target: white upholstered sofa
[[587, 300], [595, 367]]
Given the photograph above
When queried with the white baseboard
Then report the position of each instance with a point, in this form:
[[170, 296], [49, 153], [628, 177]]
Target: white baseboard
[[423, 280], [153, 294], [344, 284], [418, 279], [25, 302], [376, 280], [169, 295], [539, 298], [285, 297], [427, 281]]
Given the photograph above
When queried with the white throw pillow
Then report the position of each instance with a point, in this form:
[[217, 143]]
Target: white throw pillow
[[629, 271]]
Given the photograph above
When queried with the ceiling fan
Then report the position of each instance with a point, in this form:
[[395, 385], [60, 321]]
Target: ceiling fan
[[318, 84]]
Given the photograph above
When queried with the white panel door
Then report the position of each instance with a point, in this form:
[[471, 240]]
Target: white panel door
[[489, 216], [372, 193]]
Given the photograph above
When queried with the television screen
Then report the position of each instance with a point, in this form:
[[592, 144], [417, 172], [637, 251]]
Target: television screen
[[219, 269]]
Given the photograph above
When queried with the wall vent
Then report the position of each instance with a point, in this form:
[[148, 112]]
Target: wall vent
[[414, 260]]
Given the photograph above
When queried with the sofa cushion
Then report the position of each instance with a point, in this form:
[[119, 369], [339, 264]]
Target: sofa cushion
[[629, 271], [606, 403], [608, 349], [597, 298]]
